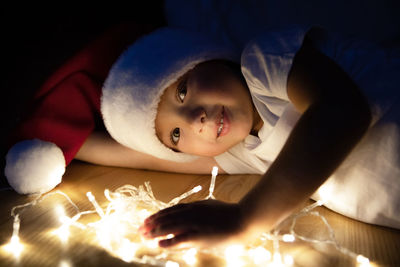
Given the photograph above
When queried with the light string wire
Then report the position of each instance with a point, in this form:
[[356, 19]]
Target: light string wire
[[129, 206]]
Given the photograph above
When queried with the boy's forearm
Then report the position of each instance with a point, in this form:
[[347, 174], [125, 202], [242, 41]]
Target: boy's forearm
[[320, 141], [100, 148]]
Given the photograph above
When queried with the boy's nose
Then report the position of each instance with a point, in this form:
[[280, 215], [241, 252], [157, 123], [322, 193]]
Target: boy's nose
[[196, 118]]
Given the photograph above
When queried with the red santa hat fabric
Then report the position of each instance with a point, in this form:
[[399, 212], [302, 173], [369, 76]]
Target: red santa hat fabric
[[63, 113]]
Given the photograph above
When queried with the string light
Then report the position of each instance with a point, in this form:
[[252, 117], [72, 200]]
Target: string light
[[65, 263], [234, 255], [171, 264], [288, 238], [190, 256], [288, 260], [117, 230], [63, 231], [95, 204], [363, 261], [214, 174], [260, 255], [14, 247]]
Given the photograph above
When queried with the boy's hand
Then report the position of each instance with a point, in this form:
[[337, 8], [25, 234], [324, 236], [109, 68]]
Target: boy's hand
[[201, 223]]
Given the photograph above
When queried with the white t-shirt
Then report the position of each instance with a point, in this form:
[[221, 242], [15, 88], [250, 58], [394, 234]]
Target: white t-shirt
[[367, 184]]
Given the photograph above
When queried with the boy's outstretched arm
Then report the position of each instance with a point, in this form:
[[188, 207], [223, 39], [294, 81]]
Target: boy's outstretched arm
[[335, 115]]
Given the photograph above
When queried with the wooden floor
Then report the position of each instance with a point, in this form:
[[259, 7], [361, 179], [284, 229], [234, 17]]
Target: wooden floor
[[381, 245]]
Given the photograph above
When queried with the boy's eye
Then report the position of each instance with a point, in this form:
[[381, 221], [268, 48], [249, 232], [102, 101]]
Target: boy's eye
[[175, 136], [181, 90]]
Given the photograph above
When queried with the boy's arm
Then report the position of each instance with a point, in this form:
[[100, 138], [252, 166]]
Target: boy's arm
[[335, 117], [101, 149]]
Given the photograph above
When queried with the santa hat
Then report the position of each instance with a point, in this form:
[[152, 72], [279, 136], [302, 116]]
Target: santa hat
[[137, 80], [66, 107]]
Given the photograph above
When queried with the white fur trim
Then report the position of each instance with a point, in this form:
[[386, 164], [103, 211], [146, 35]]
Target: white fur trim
[[137, 80], [34, 166]]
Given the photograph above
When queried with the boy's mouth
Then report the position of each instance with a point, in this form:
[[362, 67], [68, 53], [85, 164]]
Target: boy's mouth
[[221, 124], [222, 129]]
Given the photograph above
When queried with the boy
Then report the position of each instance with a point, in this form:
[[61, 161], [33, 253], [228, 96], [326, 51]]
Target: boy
[[298, 116]]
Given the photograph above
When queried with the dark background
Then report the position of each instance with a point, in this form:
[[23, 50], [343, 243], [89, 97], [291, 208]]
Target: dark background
[[37, 39]]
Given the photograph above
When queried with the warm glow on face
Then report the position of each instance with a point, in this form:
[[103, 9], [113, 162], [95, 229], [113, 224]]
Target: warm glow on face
[[216, 97]]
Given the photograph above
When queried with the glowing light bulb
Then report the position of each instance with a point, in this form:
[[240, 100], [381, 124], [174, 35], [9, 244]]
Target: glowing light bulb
[[60, 211], [190, 256], [233, 255], [171, 264], [64, 263], [14, 247], [214, 171], [169, 236], [325, 193], [152, 243], [288, 260], [95, 204], [127, 250], [197, 189], [107, 194], [63, 233], [234, 251], [185, 195], [363, 261], [90, 196], [260, 255], [288, 238], [143, 214], [214, 174], [277, 260]]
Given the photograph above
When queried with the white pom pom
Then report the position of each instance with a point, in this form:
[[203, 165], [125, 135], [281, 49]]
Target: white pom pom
[[34, 166]]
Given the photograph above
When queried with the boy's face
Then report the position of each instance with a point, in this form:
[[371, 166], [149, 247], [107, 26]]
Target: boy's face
[[206, 112]]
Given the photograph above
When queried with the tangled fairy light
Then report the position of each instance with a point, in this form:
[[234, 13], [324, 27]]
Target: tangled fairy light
[[116, 231]]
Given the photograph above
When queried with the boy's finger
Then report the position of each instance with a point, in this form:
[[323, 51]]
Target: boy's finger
[[175, 228], [166, 211], [179, 214], [177, 239]]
